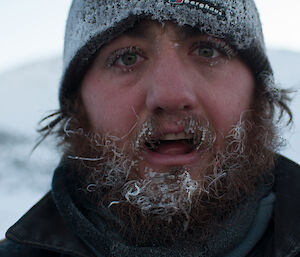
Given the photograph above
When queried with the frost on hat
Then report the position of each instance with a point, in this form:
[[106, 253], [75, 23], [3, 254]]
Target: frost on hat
[[92, 23]]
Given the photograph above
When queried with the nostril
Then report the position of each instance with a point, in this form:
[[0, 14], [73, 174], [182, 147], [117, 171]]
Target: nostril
[[163, 109], [158, 110], [184, 107]]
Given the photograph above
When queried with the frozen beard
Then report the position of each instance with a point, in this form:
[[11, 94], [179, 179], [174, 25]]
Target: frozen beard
[[164, 206]]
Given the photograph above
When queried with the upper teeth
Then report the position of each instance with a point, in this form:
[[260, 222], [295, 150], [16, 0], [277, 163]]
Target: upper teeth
[[178, 136]]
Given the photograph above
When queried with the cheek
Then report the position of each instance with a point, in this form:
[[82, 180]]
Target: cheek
[[110, 108], [228, 97]]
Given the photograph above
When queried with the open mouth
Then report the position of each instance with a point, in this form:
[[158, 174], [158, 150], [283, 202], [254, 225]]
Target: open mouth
[[175, 143]]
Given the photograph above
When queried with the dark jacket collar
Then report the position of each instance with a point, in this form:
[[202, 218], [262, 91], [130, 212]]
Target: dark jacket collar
[[44, 227], [287, 208]]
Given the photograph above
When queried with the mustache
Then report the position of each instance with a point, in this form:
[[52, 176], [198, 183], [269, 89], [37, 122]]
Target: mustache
[[197, 128], [113, 158], [194, 129]]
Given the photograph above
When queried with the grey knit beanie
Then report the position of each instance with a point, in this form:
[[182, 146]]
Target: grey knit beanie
[[92, 23]]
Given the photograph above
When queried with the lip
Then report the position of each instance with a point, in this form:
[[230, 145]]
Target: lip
[[169, 130], [158, 159], [154, 158]]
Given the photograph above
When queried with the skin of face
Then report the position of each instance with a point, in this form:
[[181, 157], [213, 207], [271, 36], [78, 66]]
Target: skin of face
[[168, 70]]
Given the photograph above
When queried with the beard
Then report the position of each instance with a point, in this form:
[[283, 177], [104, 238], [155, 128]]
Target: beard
[[168, 205]]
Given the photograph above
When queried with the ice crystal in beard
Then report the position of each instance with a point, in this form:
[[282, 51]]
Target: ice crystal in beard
[[162, 194], [200, 134], [237, 137], [110, 166], [233, 157], [166, 194], [115, 163], [169, 201], [231, 160]]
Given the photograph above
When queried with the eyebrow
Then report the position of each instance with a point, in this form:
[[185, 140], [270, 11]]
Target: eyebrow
[[140, 32]]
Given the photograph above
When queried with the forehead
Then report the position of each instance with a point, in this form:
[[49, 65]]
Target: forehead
[[148, 29]]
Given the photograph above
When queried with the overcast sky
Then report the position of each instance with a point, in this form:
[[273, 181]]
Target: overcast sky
[[33, 29]]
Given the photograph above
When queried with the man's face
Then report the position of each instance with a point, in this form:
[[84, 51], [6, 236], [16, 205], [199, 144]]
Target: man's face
[[174, 139], [171, 74]]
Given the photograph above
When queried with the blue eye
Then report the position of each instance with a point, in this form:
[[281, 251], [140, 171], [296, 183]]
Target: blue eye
[[128, 59], [210, 48], [207, 52], [125, 57]]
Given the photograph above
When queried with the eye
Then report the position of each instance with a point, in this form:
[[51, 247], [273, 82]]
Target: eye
[[207, 52], [127, 59], [210, 48]]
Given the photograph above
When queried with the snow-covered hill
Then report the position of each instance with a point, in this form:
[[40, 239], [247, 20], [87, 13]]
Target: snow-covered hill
[[286, 65], [28, 93]]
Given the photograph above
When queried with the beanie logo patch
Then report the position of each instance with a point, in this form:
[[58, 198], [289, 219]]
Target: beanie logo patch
[[203, 5], [176, 1]]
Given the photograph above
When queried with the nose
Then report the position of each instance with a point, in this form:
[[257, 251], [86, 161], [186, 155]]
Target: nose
[[170, 88]]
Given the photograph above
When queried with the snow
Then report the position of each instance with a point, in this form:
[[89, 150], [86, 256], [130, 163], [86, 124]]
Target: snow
[[27, 95], [286, 68]]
